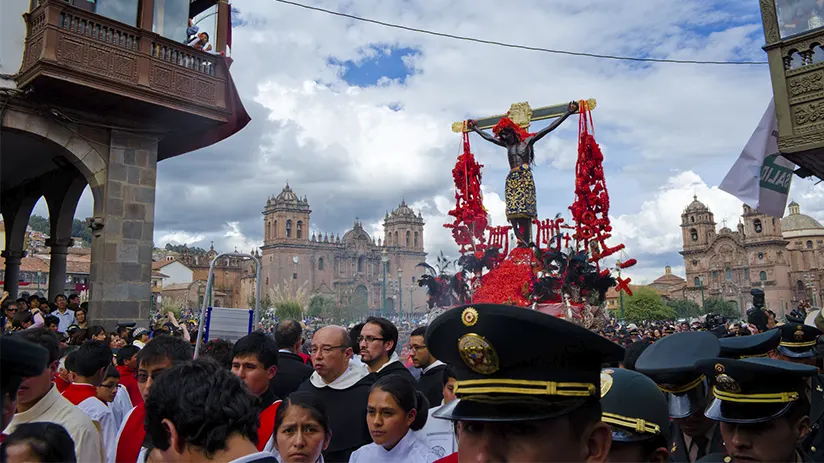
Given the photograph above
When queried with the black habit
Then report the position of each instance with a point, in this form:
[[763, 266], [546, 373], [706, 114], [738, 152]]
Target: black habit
[[292, 372], [431, 385]]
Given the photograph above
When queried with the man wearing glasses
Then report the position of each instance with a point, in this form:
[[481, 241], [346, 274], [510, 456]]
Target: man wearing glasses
[[432, 369], [377, 341], [161, 354], [343, 386]]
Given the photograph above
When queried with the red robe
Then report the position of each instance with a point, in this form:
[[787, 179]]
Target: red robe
[[131, 436], [453, 458], [61, 384], [77, 393], [267, 424], [128, 381]]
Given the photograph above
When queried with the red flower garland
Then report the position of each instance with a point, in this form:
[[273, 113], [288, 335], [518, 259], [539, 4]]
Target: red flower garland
[[469, 226], [510, 282]]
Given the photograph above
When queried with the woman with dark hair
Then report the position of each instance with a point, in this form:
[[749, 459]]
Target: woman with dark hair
[[97, 333], [39, 442], [80, 318], [302, 430], [395, 409]]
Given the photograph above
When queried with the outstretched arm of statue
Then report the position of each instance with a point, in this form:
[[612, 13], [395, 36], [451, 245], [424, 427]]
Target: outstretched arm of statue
[[572, 109], [490, 138]]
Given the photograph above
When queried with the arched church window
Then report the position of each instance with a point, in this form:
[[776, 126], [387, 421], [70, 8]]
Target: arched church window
[[288, 228], [809, 244], [694, 234], [320, 263], [762, 276], [728, 273], [697, 281], [416, 239], [299, 231], [692, 219], [757, 225], [275, 229], [408, 239], [799, 285], [360, 264], [397, 242]]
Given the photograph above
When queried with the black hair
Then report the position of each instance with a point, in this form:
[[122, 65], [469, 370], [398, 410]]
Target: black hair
[[50, 320], [287, 333], [8, 303], [165, 347], [74, 295], [24, 316], [419, 331], [59, 296], [69, 361], [389, 332], [407, 397], [91, 357], [220, 350], [446, 373], [583, 417], [125, 353], [260, 345], [34, 297], [206, 403], [634, 351], [80, 308], [50, 442], [45, 338], [644, 447], [758, 318], [207, 35], [112, 372], [309, 402], [22, 300], [95, 330], [354, 334]]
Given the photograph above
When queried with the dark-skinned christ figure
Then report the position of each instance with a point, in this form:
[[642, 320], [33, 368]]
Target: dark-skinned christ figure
[[520, 197]]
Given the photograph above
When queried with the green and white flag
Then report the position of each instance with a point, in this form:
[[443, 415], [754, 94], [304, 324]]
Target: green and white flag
[[761, 177]]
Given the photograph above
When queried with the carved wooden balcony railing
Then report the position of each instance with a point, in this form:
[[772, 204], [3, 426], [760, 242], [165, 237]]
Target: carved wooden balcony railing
[[75, 46]]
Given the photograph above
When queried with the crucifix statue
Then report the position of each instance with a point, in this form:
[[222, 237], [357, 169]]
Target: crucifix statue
[[509, 131]]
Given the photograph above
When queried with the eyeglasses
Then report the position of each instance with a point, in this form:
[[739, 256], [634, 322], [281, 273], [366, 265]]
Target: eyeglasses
[[143, 377], [111, 386], [369, 339], [416, 348], [325, 349]]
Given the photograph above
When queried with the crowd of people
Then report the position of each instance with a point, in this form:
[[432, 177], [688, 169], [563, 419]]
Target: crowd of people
[[479, 383]]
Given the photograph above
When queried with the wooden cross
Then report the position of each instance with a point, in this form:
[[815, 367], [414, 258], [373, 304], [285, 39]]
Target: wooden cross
[[521, 114]]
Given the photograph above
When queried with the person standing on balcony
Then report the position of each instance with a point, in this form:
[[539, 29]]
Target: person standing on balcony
[[197, 40]]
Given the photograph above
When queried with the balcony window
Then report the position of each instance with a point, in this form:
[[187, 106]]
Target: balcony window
[[124, 11], [171, 18], [798, 17]]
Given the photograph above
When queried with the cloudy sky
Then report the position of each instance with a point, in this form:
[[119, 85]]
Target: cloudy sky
[[357, 116]]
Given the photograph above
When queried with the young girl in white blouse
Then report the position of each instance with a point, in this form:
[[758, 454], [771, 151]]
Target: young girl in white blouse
[[395, 409]]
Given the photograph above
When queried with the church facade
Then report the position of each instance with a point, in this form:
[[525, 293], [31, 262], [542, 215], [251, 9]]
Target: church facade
[[350, 268], [784, 257]]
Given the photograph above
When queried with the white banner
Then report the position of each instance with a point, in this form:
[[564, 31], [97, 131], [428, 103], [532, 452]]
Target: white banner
[[761, 177]]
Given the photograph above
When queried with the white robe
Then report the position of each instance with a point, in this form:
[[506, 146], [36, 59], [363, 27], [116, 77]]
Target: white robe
[[438, 434], [410, 449]]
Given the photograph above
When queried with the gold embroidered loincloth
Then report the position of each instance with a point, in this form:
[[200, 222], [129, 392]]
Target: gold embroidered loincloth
[[520, 194]]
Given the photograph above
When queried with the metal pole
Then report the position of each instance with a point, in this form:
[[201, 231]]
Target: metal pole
[[703, 309], [621, 301], [400, 296], [207, 300], [383, 299], [411, 304]]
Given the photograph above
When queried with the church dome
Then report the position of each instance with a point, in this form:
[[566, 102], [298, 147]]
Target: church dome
[[356, 233], [288, 198], [696, 206], [404, 214], [796, 221]]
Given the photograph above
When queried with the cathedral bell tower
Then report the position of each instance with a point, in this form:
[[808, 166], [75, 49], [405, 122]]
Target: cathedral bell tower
[[286, 218], [697, 226], [403, 229]]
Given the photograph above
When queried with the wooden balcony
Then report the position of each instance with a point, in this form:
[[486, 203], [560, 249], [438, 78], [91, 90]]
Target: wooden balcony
[[77, 59]]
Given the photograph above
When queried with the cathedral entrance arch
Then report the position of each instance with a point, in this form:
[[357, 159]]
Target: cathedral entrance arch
[[390, 305], [360, 298]]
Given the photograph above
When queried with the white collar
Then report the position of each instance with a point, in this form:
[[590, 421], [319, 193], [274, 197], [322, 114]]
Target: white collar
[[286, 350], [402, 447], [354, 373], [393, 358], [432, 365]]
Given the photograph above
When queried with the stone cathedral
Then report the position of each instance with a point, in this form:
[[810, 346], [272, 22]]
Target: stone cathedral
[[348, 268]]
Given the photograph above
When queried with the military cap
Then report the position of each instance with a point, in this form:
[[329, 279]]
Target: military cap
[[757, 297], [757, 345], [633, 406], [669, 329], [753, 390], [515, 364], [19, 359], [670, 362], [798, 340]]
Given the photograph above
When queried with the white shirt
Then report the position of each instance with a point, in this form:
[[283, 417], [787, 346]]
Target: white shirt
[[121, 406], [54, 408], [103, 416], [138, 344], [432, 365], [409, 450], [65, 319], [438, 434]]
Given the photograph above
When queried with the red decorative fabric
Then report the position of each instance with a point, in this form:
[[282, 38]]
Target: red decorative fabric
[[131, 437], [469, 225], [61, 384], [267, 424], [506, 123], [128, 381], [77, 393]]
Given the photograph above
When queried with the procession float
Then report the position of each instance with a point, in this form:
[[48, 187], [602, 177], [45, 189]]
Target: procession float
[[561, 271]]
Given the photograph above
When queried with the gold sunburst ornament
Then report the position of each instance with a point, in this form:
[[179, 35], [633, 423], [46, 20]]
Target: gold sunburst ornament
[[469, 316], [799, 333]]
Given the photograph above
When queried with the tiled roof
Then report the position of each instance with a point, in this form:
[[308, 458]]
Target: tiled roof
[[156, 274]]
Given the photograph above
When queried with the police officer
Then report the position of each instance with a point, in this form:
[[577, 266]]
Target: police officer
[[756, 345], [799, 344], [670, 362], [762, 407], [636, 410], [528, 384]]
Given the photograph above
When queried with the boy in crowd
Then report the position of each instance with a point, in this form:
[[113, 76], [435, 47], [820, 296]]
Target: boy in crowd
[[255, 361]]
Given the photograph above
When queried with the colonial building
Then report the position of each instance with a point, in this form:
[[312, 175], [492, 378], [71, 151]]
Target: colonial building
[[349, 269], [785, 257]]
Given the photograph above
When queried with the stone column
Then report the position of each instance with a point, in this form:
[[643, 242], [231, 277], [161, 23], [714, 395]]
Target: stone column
[[57, 266], [11, 279], [120, 283]]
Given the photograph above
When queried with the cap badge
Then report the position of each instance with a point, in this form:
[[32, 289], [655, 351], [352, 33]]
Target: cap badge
[[719, 368], [799, 333], [725, 383], [469, 316], [477, 353], [606, 382]]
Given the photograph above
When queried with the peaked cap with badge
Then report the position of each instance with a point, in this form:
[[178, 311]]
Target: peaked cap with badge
[[670, 362], [756, 345], [753, 390], [798, 340], [515, 364], [633, 406]]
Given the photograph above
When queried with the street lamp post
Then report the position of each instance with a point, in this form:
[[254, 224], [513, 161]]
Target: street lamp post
[[385, 261], [701, 280], [411, 302], [400, 292]]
